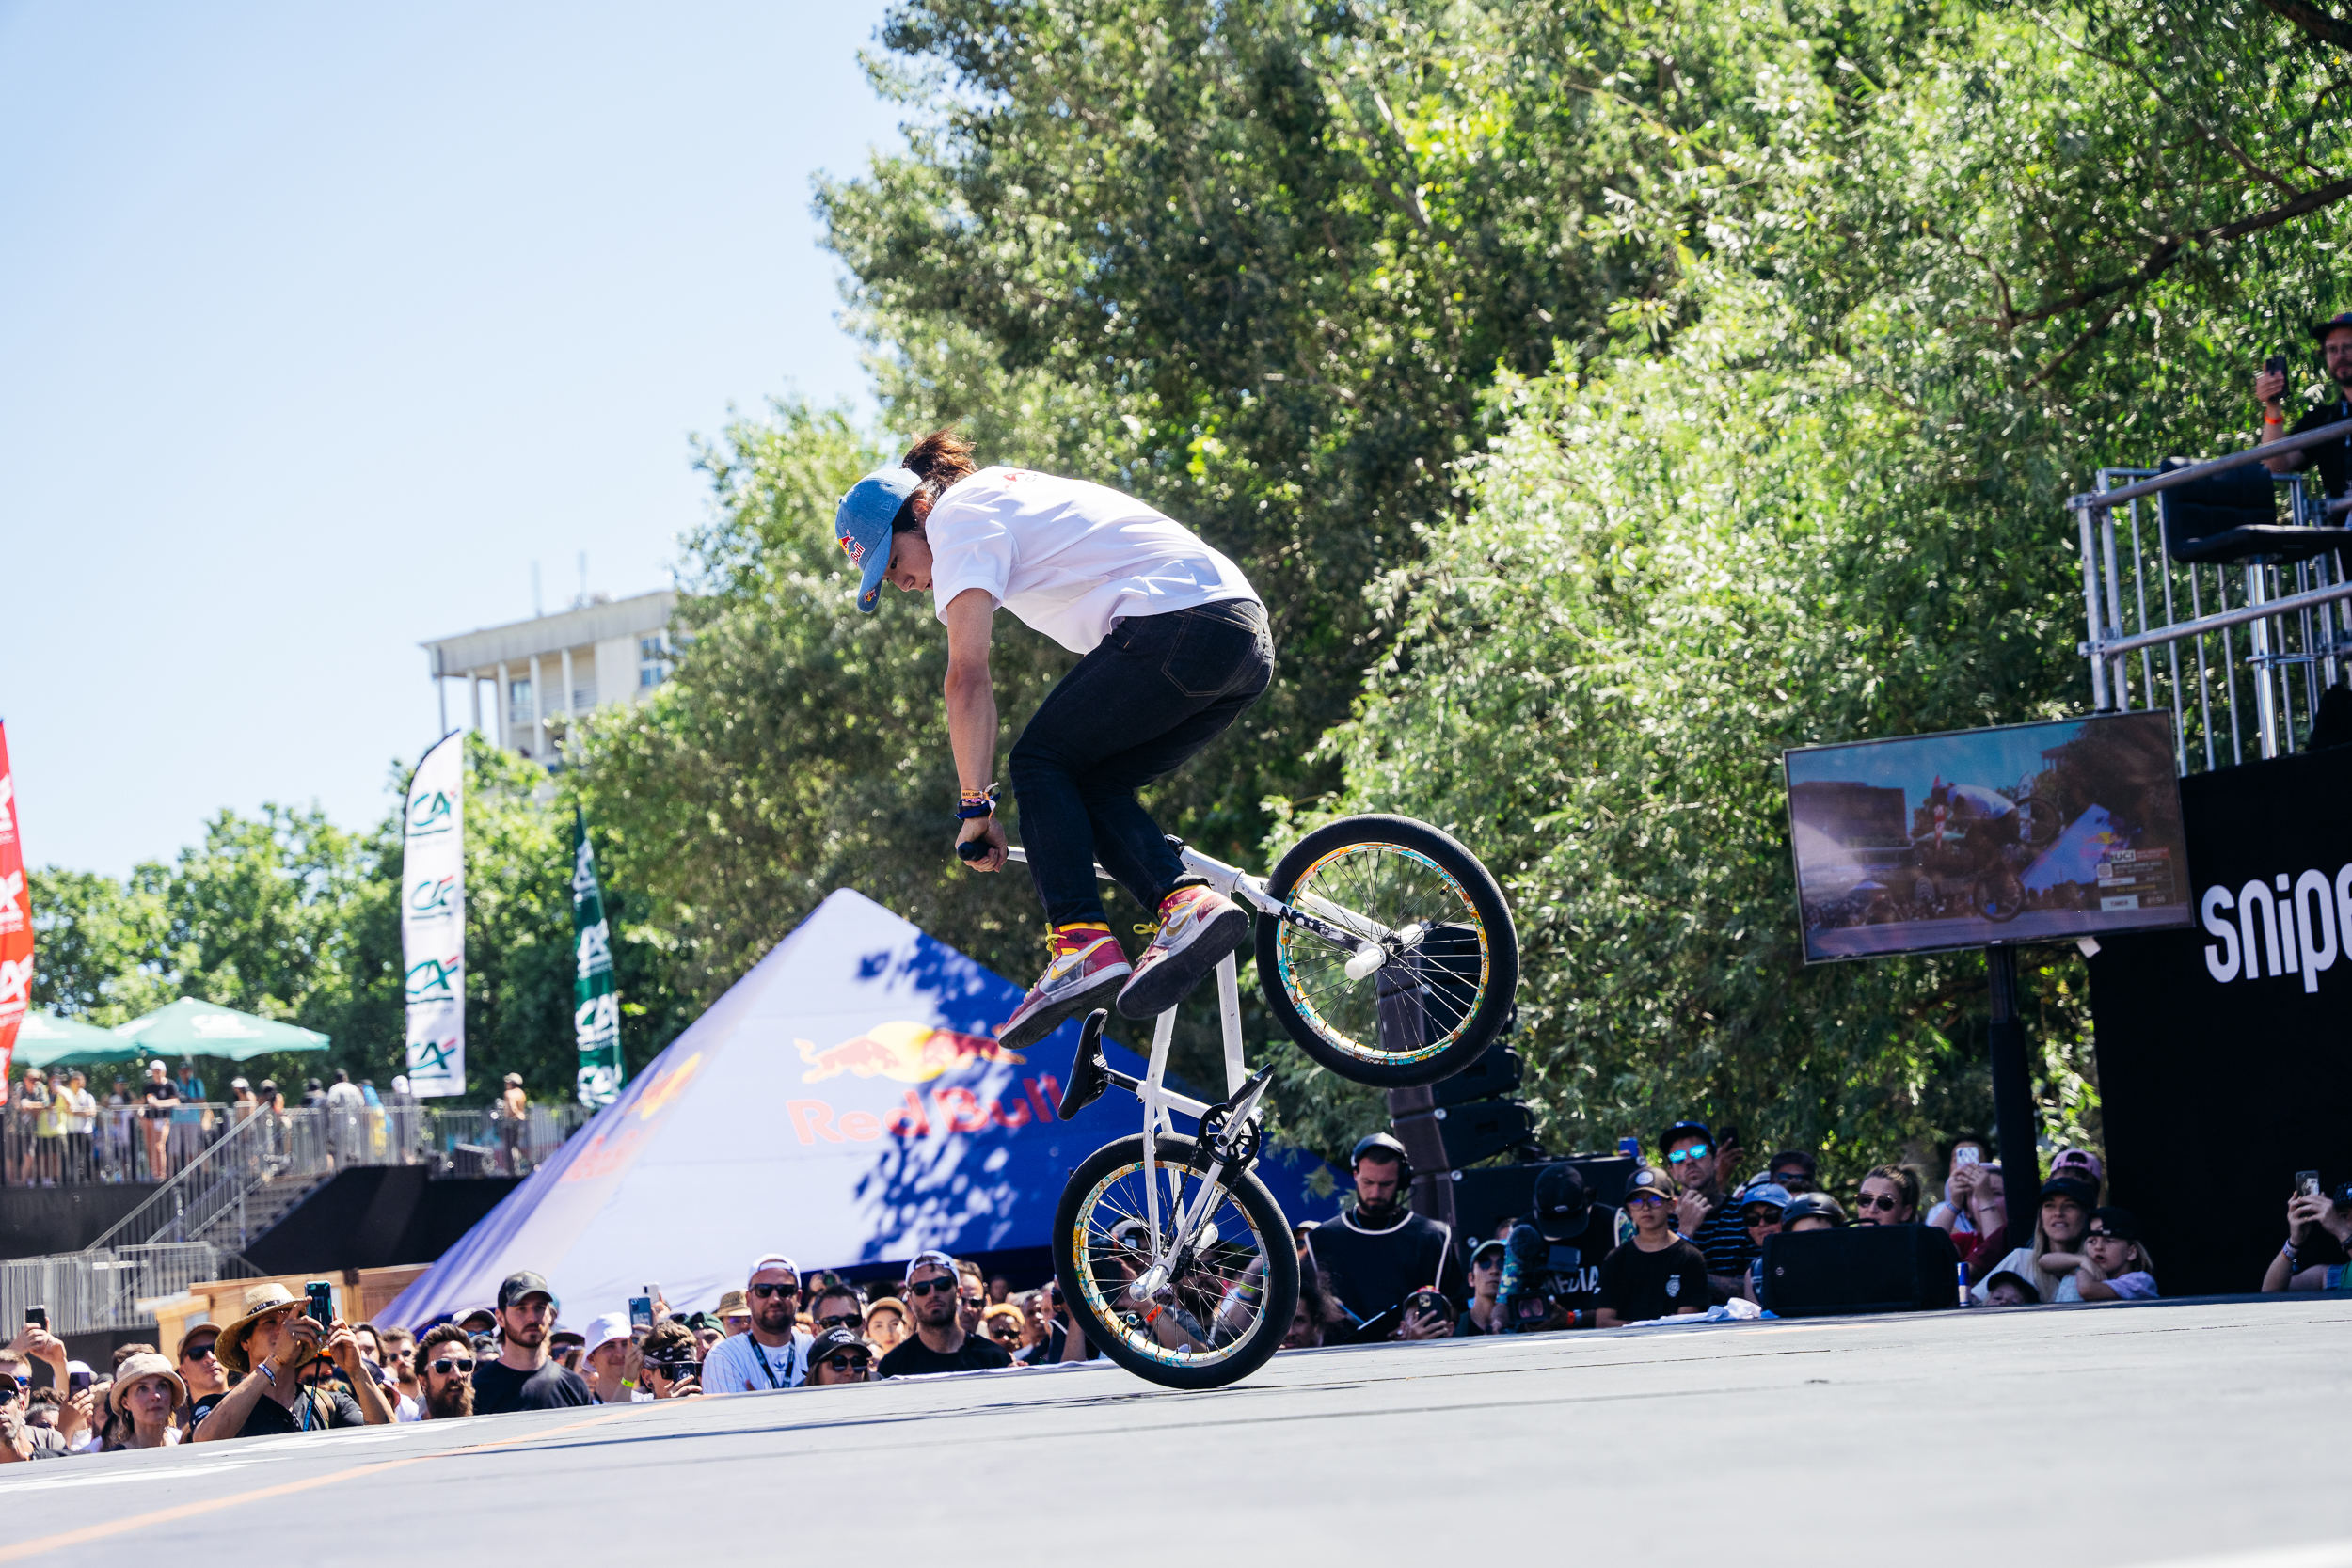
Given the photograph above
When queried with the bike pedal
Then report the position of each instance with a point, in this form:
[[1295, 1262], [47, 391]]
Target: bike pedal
[[1088, 1074]]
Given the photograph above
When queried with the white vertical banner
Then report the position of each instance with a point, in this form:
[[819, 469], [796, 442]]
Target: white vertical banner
[[433, 919]]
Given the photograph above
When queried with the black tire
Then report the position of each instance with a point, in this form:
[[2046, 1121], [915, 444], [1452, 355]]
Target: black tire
[[1468, 960], [1089, 1293]]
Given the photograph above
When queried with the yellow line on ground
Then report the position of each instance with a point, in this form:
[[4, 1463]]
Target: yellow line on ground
[[189, 1510]]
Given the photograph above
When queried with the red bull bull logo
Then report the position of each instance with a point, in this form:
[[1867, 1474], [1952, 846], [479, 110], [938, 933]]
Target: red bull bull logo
[[907, 1053]]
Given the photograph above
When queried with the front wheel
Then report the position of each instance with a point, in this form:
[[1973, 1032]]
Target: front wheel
[[1221, 1316], [1434, 964]]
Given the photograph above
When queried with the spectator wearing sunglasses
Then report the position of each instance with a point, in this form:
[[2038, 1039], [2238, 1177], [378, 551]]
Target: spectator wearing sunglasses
[[35, 1442], [444, 1367], [837, 1306], [840, 1356], [669, 1364], [1003, 1326], [1761, 1209], [933, 1293], [1794, 1172], [1889, 1196], [1704, 1213], [1657, 1273], [772, 1352]]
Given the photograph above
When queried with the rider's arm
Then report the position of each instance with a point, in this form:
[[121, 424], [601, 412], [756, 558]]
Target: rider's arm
[[971, 694]]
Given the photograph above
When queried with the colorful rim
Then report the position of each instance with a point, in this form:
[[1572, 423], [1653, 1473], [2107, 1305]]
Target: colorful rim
[[1338, 1038], [1099, 1307]]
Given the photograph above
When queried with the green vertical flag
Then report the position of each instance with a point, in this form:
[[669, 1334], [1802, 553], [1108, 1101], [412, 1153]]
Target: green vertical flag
[[596, 1006]]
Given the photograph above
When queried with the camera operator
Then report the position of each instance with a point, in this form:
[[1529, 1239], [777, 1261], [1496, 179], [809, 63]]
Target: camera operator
[[524, 1377], [1379, 1252], [444, 1364], [1552, 1264], [281, 1357], [2334, 337], [669, 1367], [773, 1353]]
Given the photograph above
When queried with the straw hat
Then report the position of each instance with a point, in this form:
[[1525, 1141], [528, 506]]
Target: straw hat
[[138, 1368], [260, 1299]]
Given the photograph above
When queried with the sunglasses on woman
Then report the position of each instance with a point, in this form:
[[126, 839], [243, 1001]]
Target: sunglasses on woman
[[846, 1364], [1879, 1200], [1005, 1332]]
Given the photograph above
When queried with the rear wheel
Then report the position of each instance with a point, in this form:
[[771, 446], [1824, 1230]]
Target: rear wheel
[[1219, 1316], [1434, 964]]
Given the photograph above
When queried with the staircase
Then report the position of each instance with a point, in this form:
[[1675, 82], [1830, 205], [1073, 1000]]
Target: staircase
[[239, 1186]]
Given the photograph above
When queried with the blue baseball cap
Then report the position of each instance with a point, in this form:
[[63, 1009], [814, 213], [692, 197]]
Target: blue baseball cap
[[861, 525]]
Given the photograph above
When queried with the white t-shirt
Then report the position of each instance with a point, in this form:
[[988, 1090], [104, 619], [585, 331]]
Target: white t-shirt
[[1068, 557], [733, 1366]]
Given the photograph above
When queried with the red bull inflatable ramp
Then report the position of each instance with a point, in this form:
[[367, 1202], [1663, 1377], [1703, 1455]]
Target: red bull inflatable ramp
[[846, 1102]]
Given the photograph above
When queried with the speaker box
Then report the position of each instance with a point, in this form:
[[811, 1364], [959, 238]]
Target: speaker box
[[1861, 1268]]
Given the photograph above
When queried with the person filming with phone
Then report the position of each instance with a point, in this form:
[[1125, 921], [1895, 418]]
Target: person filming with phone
[[283, 1351], [2329, 458]]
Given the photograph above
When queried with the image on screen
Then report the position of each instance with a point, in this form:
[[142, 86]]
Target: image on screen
[[2027, 832]]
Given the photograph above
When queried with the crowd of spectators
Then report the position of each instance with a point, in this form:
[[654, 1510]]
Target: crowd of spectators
[[1687, 1238]]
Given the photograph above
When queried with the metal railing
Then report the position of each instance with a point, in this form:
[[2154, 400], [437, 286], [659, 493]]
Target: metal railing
[[2279, 642], [122, 1147], [85, 1292]]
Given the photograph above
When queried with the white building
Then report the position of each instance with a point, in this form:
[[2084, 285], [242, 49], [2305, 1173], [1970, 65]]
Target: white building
[[544, 670]]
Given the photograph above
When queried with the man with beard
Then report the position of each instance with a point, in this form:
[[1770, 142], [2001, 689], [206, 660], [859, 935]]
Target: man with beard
[[523, 1377], [444, 1363], [2334, 459], [934, 1293], [1380, 1252], [772, 1352]]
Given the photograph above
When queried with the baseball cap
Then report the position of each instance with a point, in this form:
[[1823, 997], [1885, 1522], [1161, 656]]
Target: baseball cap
[[2119, 1223], [935, 1260], [603, 1331], [834, 1339], [2082, 1157], [1770, 1193], [772, 1260], [1491, 1244], [1561, 1196], [1684, 1130], [2024, 1286], [522, 1283], [2066, 1187], [861, 525], [1650, 1179]]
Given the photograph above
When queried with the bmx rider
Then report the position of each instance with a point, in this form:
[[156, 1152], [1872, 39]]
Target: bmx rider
[[1175, 647]]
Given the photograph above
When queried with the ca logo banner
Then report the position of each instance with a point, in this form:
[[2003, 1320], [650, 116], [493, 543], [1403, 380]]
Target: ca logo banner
[[435, 980], [431, 1057], [431, 814], [434, 895]]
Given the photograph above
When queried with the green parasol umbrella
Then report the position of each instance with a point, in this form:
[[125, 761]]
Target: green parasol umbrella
[[191, 1028], [46, 1040]]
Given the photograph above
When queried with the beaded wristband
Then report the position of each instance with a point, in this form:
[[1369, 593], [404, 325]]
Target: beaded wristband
[[974, 803]]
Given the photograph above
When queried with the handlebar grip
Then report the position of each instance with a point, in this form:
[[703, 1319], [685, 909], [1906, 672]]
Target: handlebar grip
[[973, 849]]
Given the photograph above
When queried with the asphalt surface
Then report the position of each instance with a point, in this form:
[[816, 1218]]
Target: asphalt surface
[[2201, 1433]]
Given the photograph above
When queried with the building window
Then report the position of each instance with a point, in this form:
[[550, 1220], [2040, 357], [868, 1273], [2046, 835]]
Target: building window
[[653, 661], [519, 708]]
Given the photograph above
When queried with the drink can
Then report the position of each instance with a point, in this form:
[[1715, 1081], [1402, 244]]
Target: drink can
[[1965, 1299]]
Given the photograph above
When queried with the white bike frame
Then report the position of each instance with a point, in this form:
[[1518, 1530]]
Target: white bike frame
[[1160, 1102]]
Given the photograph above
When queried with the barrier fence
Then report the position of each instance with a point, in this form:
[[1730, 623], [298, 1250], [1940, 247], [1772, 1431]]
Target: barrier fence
[[123, 1145], [86, 1292], [2241, 652]]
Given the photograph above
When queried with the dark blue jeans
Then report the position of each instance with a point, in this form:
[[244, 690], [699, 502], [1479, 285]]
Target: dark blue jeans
[[1143, 704]]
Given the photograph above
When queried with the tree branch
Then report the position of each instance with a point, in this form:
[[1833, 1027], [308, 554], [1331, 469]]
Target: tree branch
[[2319, 24]]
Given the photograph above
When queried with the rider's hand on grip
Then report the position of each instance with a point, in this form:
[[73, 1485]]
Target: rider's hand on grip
[[973, 849]]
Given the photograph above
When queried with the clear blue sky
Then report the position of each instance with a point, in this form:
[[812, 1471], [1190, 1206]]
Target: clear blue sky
[[318, 325]]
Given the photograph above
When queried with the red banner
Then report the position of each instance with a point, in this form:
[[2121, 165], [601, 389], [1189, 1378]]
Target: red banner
[[16, 920]]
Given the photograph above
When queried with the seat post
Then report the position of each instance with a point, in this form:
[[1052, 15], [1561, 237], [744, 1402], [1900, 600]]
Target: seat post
[[1229, 1016]]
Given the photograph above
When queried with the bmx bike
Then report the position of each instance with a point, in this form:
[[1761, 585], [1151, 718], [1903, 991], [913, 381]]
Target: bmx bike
[[1386, 950]]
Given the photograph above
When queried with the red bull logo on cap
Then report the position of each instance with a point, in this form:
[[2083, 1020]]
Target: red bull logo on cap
[[907, 1053]]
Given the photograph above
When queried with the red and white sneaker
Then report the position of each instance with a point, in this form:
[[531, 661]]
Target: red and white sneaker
[[1198, 927], [1087, 968]]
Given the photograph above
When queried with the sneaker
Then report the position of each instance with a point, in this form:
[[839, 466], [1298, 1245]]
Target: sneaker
[[1087, 970], [1198, 927]]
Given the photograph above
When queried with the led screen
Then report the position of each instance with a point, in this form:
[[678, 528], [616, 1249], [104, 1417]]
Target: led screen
[[2029, 832]]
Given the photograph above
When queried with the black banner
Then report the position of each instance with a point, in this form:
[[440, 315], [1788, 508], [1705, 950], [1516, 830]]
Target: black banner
[[2223, 1059]]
